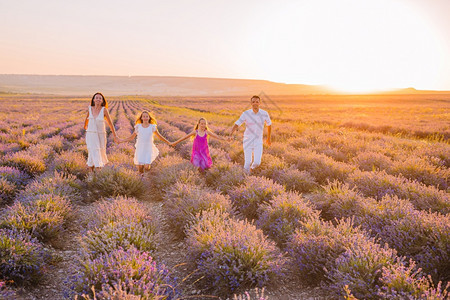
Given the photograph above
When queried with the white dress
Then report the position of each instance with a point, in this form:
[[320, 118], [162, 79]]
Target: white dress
[[146, 151], [96, 140]]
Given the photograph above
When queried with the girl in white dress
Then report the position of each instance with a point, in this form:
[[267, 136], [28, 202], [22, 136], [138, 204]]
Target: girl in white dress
[[146, 152], [96, 131]]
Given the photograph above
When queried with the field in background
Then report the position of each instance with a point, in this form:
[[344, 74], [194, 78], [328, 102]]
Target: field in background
[[356, 184]]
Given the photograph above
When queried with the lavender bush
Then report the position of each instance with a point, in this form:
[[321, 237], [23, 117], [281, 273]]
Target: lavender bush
[[231, 253], [271, 166], [22, 258], [378, 184], [71, 162], [316, 244], [64, 185], [322, 167], [172, 169], [121, 160], [422, 236], [248, 197], [13, 175], [338, 200], [72, 133], [295, 180], [421, 170], [114, 181], [360, 267], [7, 191], [402, 281], [42, 216], [132, 271], [115, 235], [55, 142], [118, 209], [369, 161], [183, 202], [282, 215], [26, 162], [224, 176]]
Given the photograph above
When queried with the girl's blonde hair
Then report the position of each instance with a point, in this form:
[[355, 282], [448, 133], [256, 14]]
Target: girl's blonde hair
[[139, 118], [196, 126]]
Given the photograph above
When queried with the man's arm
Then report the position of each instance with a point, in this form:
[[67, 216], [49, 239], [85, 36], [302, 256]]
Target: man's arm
[[238, 123], [269, 130], [234, 128]]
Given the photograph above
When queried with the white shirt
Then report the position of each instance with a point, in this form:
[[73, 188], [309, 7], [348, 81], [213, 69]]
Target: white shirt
[[254, 124]]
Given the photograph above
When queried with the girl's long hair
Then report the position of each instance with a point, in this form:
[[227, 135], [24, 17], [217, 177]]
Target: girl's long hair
[[198, 122], [139, 118], [104, 103]]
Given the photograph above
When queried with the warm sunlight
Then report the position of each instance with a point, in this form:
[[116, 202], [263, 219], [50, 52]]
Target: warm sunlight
[[354, 46]]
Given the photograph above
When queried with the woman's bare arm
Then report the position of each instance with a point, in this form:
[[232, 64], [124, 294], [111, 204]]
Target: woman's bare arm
[[86, 121], [110, 124]]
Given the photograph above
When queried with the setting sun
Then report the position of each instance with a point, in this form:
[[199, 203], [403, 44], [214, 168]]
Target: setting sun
[[349, 45], [353, 46]]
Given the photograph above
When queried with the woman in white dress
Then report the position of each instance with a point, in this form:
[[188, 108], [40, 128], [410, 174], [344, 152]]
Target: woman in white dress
[[146, 151], [96, 131]]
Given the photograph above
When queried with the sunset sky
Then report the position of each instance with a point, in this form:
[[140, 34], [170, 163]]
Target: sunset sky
[[351, 45]]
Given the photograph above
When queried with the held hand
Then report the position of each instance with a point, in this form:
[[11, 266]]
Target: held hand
[[268, 142], [116, 139]]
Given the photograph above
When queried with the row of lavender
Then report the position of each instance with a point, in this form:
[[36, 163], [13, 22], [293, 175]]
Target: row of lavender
[[121, 237], [303, 170], [120, 155], [295, 225], [32, 145], [42, 180], [165, 175], [115, 260]]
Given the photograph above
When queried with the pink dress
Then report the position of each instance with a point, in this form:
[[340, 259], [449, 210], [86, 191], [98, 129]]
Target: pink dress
[[200, 152]]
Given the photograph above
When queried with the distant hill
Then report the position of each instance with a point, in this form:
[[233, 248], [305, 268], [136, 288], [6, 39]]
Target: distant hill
[[410, 90], [163, 86], [150, 85]]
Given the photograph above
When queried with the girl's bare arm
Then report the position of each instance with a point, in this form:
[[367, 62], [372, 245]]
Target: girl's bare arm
[[184, 138], [161, 137], [212, 134], [129, 139]]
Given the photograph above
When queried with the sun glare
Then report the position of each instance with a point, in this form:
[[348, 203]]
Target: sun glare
[[351, 45]]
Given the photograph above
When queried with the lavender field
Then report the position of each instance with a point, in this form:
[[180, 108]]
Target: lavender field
[[351, 201]]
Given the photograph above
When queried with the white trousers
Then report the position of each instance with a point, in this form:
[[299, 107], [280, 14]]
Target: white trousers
[[255, 149]]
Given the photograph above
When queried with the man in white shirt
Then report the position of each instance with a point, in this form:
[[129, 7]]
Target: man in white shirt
[[254, 120]]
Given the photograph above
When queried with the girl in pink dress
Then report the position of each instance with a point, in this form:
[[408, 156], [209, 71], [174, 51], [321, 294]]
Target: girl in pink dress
[[200, 150]]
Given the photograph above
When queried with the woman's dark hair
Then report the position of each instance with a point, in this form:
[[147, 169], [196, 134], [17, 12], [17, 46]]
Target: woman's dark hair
[[104, 103]]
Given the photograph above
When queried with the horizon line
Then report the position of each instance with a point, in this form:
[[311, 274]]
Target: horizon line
[[327, 86]]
